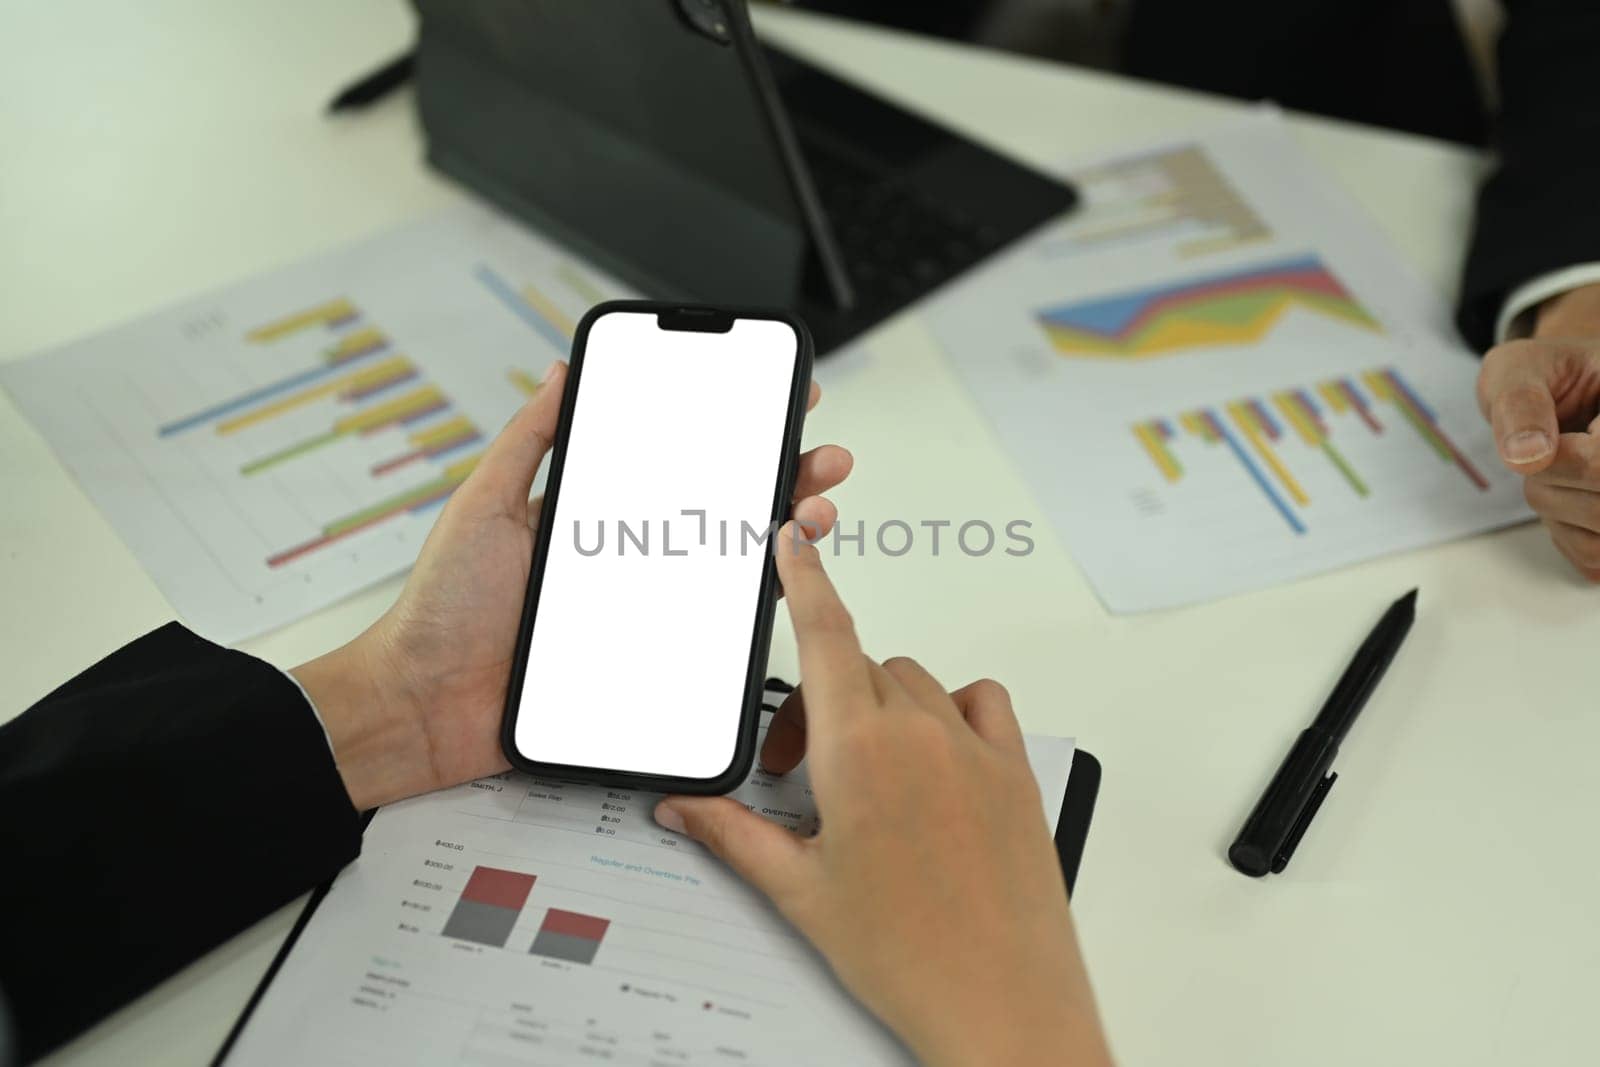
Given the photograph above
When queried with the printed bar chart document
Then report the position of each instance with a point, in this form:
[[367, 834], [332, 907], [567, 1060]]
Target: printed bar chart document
[[516, 920], [1216, 377], [280, 444]]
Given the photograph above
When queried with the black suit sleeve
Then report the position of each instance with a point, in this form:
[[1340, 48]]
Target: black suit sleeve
[[150, 809], [1540, 211]]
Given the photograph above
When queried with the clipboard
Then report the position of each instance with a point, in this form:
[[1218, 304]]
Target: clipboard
[[1072, 830]]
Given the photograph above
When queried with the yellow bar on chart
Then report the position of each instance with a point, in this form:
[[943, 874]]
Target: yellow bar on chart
[[332, 311], [1159, 454], [523, 380], [1378, 384], [357, 343], [547, 308], [1245, 419], [442, 432], [1333, 393], [1289, 404], [354, 380], [1196, 424], [395, 410], [458, 471]]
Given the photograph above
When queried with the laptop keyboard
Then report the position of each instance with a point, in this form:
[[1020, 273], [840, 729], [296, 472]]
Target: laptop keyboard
[[895, 242]]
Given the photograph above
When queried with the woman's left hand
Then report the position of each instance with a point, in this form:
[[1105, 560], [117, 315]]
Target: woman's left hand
[[414, 703]]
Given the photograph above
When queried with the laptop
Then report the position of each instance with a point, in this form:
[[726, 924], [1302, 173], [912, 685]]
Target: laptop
[[661, 140]]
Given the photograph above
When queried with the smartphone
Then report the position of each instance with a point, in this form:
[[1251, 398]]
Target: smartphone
[[649, 606]]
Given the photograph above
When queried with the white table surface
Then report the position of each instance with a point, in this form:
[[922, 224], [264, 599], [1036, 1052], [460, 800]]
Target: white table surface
[[1442, 910]]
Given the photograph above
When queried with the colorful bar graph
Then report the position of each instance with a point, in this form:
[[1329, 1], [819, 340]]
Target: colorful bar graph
[[1342, 396], [433, 442], [523, 381], [376, 383], [1388, 385], [518, 304], [1153, 435], [1301, 413], [570, 936], [335, 360], [357, 343], [346, 386], [1264, 420], [1260, 432], [1205, 425], [547, 310], [408, 408], [249, 399], [417, 499], [488, 908], [333, 313]]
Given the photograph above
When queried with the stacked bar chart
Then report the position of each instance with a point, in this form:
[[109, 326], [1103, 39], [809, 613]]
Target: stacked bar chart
[[336, 312], [569, 936], [1215, 376], [1237, 308], [301, 387], [1155, 436], [1307, 419], [403, 410], [276, 445], [489, 906], [1277, 439], [377, 394], [1390, 388], [414, 501], [438, 440]]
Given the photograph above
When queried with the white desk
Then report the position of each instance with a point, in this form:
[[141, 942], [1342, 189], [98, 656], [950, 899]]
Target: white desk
[[1442, 910]]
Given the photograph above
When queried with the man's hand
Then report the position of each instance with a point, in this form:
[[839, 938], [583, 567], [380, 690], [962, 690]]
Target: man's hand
[[414, 703], [1542, 395]]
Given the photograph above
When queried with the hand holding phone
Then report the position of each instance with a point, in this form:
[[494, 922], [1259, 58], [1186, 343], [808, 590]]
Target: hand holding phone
[[416, 701], [673, 467]]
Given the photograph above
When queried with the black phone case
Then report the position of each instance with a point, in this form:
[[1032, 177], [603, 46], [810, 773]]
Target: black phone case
[[766, 607]]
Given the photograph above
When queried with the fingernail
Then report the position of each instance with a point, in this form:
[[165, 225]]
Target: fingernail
[[1525, 446], [668, 818], [549, 372]]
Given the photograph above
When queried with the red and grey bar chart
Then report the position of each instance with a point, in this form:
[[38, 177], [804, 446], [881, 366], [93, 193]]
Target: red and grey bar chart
[[491, 903], [1280, 440], [489, 906], [570, 936]]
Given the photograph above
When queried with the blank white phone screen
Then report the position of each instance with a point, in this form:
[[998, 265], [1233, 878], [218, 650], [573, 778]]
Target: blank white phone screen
[[643, 628]]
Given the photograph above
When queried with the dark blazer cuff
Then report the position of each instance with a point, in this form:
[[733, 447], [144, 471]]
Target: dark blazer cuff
[[162, 801]]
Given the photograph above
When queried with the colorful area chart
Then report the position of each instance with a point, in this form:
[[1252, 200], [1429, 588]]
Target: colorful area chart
[[1239, 308]]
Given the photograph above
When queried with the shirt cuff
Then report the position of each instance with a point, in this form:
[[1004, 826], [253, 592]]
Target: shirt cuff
[[1517, 313], [315, 714]]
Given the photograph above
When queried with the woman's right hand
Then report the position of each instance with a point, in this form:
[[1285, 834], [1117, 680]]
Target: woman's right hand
[[933, 888]]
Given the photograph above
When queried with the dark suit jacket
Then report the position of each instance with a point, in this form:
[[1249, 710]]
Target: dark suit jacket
[[1396, 63], [150, 809]]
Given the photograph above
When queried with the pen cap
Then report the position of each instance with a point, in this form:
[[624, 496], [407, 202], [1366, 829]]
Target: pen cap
[[1279, 817]]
